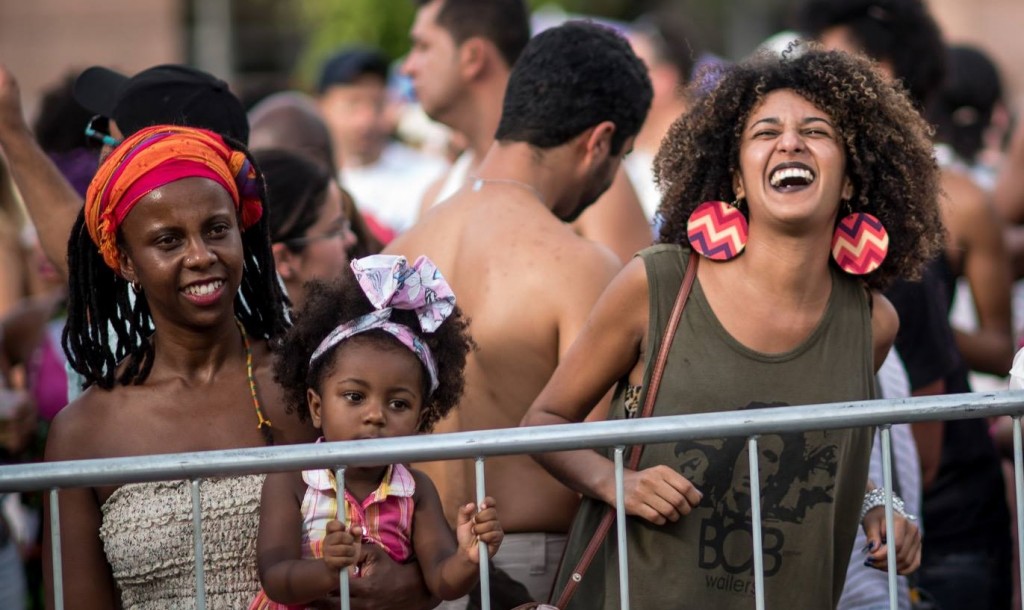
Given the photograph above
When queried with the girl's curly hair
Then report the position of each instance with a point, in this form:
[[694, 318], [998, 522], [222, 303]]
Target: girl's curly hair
[[331, 304], [889, 156]]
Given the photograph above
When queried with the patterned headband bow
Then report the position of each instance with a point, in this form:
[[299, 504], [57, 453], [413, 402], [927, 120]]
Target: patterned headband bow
[[390, 283]]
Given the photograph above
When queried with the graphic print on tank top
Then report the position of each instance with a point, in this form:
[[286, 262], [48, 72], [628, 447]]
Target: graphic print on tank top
[[796, 473]]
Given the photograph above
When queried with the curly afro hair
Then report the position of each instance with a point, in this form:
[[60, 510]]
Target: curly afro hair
[[889, 157], [331, 304]]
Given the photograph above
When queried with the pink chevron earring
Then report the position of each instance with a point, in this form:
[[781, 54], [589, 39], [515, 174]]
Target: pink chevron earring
[[717, 230], [859, 243]]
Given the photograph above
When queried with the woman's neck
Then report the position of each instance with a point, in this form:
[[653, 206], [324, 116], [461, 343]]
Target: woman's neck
[[197, 354], [792, 270]]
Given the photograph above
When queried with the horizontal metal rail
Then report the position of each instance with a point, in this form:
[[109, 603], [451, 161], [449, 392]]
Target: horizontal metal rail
[[479, 445], [483, 443]]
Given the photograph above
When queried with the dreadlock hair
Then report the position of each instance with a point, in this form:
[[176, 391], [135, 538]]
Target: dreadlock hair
[[107, 335], [331, 304]]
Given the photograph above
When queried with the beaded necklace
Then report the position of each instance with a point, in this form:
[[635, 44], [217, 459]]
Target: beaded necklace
[[264, 424]]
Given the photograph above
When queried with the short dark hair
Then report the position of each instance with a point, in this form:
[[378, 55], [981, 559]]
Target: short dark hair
[[296, 192], [350, 64], [60, 124], [962, 110], [901, 32], [887, 146], [571, 78], [331, 304], [672, 40], [506, 23]]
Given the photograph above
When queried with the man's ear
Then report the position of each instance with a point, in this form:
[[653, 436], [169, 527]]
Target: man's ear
[[314, 402], [598, 141], [473, 57], [283, 261]]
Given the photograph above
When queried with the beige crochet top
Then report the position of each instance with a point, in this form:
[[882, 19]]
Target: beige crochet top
[[147, 536]]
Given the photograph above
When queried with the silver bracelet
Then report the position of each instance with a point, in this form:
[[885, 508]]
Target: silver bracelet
[[876, 497]]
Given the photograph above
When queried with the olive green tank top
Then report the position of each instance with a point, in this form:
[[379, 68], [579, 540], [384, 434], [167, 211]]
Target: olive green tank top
[[812, 484]]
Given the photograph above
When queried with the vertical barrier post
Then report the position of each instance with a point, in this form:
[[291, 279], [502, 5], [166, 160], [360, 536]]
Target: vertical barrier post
[[485, 560], [755, 518], [1018, 477], [620, 529], [339, 477], [197, 539], [890, 527], [58, 569]]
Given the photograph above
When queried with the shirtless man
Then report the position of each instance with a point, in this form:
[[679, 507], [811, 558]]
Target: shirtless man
[[462, 52], [521, 274]]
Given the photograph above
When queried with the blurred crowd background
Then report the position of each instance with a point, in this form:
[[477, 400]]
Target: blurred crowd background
[[260, 46]]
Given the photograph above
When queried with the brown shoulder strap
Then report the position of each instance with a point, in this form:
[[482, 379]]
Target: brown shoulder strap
[[666, 344], [634, 455]]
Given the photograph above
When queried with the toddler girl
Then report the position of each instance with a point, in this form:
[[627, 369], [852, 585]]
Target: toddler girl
[[378, 354]]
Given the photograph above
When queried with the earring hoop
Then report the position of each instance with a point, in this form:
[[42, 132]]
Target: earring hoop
[[718, 230]]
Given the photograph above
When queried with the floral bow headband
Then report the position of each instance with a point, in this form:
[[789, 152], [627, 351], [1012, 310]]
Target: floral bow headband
[[389, 282]]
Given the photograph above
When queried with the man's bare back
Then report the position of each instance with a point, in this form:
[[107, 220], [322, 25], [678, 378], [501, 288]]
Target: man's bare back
[[527, 282]]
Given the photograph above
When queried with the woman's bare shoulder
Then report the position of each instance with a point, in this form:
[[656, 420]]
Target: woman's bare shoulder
[[82, 429]]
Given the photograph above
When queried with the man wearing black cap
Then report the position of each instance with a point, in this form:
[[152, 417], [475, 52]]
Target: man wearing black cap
[[166, 94], [386, 178], [171, 94]]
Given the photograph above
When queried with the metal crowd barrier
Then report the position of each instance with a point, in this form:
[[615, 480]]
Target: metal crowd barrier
[[480, 445]]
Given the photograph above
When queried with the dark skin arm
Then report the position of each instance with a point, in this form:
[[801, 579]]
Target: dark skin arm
[[928, 436], [451, 564], [1009, 193], [979, 250], [287, 577], [90, 584], [608, 348]]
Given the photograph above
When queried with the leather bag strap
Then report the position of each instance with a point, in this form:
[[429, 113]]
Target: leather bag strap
[[636, 450]]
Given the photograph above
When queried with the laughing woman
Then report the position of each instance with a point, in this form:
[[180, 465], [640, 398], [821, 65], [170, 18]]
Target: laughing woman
[[814, 152]]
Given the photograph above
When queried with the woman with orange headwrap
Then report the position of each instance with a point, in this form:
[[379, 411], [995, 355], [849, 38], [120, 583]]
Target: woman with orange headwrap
[[170, 260]]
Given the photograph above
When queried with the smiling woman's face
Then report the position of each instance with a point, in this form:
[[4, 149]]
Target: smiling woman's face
[[792, 162], [182, 245]]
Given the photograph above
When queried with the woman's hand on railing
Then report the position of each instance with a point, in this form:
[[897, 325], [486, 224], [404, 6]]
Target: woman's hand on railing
[[908, 542], [659, 494]]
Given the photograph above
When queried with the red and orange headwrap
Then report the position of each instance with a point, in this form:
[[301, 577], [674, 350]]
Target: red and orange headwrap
[[156, 156]]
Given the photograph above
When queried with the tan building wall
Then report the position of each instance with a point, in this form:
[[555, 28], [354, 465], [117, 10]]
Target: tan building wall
[[994, 26], [41, 40]]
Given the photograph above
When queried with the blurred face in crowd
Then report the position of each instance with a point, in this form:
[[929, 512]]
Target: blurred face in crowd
[[841, 38], [355, 114], [321, 253], [433, 64]]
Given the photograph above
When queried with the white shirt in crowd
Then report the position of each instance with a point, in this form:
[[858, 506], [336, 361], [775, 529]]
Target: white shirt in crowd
[[391, 189]]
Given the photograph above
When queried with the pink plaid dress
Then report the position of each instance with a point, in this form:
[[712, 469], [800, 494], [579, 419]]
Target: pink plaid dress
[[385, 516]]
